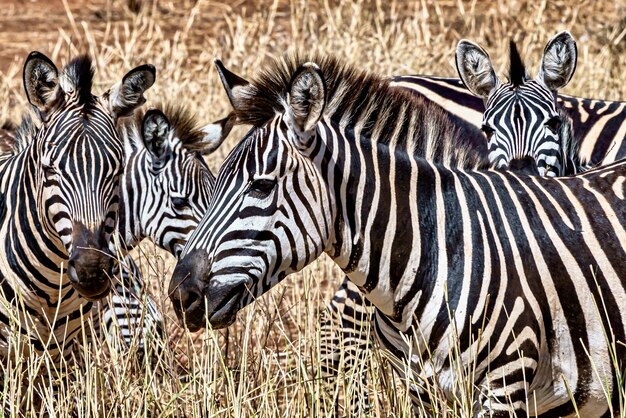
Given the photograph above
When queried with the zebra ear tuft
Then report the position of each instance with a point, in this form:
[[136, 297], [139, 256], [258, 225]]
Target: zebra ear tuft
[[475, 69], [558, 63], [216, 132], [307, 97], [237, 88], [155, 131], [41, 80], [127, 95]]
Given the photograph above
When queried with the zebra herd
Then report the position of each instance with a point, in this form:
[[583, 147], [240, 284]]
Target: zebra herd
[[450, 238]]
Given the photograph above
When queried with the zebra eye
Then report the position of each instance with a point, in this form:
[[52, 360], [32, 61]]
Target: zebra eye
[[48, 170], [488, 130], [554, 123], [180, 203], [261, 188]]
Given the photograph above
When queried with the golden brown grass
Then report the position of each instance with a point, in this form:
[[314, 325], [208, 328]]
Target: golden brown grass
[[264, 365]]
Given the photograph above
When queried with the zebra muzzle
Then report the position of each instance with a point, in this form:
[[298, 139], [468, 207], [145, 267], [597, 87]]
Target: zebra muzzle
[[90, 265]]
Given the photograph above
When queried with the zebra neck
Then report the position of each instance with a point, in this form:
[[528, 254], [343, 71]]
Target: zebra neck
[[388, 245], [34, 252], [133, 200]]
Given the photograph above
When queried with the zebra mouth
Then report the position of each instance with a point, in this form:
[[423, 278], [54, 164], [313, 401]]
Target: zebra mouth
[[225, 312], [95, 298]]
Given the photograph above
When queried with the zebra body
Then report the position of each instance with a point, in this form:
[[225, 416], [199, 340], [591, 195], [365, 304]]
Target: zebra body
[[524, 130], [522, 274], [59, 204]]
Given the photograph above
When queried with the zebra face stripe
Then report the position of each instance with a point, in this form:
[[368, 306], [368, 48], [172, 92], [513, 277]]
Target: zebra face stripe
[[80, 166], [75, 160], [267, 218], [523, 122], [520, 118], [167, 184]]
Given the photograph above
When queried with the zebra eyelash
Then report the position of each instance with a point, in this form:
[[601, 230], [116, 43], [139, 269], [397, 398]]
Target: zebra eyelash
[[487, 130], [554, 124], [261, 188]]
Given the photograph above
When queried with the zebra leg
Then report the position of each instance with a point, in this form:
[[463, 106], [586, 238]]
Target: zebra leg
[[344, 332], [129, 313]]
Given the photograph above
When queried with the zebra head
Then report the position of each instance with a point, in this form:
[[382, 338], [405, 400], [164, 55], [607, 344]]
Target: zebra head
[[78, 158], [269, 213], [172, 182], [521, 121]]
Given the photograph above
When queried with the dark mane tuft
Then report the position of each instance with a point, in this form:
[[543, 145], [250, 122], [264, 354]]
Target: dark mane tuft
[[185, 125], [355, 95], [80, 73], [182, 120], [517, 70]]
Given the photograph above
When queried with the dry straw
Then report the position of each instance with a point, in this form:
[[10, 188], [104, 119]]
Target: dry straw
[[265, 364]]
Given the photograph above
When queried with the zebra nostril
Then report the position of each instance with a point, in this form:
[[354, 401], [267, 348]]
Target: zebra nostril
[[71, 272], [189, 300]]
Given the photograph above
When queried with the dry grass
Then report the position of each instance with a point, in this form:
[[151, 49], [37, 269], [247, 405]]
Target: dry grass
[[264, 365]]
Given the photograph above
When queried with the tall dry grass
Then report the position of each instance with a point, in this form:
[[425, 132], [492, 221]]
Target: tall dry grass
[[265, 364]]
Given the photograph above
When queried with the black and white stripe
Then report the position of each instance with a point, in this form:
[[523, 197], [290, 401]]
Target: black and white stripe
[[523, 118], [165, 191], [527, 272], [60, 197]]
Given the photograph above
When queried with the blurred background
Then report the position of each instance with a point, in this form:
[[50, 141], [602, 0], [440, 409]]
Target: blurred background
[[264, 365]]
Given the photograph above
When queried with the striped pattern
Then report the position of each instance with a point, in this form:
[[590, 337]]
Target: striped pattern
[[598, 125], [129, 314], [59, 206], [527, 272], [162, 202], [164, 205]]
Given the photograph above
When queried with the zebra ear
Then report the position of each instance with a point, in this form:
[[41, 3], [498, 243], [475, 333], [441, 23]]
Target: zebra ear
[[216, 132], [475, 69], [558, 62], [237, 88], [307, 97], [156, 130], [41, 80], [127, 95]]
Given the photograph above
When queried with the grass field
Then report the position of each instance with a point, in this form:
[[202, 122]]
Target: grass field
[[265, 364]]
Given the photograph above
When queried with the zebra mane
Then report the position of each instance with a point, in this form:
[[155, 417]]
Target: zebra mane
[[358, 97], [14, 140], [517, 70], [182, 120], [78, 77]]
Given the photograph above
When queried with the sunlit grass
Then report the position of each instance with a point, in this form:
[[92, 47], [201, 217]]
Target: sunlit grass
[[267, 363]]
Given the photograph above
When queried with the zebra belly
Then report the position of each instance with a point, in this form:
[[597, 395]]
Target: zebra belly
[[556, 373]]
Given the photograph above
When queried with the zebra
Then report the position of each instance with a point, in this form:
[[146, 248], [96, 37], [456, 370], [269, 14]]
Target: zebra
[[525, 132], [526, 272], [599, 126], [165, 191], [60, 196], [521, 121]]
